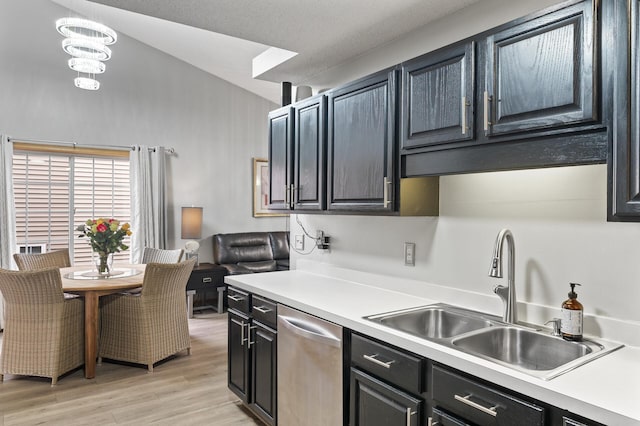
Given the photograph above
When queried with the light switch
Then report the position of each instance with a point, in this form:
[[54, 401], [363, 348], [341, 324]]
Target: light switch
[[409, 254]]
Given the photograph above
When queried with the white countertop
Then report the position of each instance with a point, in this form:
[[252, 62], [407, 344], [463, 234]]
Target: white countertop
[[606, 389]]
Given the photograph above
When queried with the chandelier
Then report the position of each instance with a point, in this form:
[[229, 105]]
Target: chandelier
[[86, 41]]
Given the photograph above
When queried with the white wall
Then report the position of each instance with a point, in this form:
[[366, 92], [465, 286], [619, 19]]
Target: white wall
[[147, 97], [558, 216]]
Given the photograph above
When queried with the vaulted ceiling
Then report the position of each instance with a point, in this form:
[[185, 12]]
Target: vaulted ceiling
[[302, 38]]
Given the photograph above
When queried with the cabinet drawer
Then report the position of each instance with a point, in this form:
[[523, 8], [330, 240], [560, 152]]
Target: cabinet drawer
[[205, 280], [264, 311], [400, 368], [440, 418], [238, 300], [480, 404]]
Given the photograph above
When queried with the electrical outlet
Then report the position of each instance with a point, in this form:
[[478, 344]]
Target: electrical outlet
[[410, 254], [299, 241]]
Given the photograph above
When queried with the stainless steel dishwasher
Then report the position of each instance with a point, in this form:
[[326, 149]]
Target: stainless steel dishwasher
[[309, 370]]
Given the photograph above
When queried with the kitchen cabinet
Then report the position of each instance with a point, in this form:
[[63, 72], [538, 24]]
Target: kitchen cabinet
[[540, 98], [362, 144], [624, 164], [252, 352], [539, 74], [309, 165], [280, 158], [438, 97], [388, 385]]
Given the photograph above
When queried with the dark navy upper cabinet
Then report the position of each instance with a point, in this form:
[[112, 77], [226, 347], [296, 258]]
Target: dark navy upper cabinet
[[309, 165], [624, 164], [362, 144], [280, 158], [540, 74], [438, 97]]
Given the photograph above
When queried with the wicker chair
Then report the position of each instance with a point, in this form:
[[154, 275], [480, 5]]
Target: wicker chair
[[43, 332], [154, 255], [30, 262], [149, 326]]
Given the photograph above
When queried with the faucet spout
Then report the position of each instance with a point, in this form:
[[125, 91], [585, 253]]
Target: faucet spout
[[508, 293]]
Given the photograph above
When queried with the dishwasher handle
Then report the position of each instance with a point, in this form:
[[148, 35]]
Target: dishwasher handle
[[309, 331]]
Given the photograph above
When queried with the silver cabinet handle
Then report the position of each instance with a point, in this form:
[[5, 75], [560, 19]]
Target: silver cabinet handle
[[487, 114], [287, 200], [235, 298], [373, 358], [241, 324], [294, 195], [409, 414], [464, 115], [465, 400], [386, 192], [262, 309], [207, 279], [249, 342]]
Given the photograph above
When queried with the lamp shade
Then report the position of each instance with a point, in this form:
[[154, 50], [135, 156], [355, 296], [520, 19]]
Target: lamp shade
[[191, 222]]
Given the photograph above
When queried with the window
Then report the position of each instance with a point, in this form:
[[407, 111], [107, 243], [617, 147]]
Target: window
[[55, 192]]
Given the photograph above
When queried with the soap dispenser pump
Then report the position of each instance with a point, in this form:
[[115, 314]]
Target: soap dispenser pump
[[572, 312]]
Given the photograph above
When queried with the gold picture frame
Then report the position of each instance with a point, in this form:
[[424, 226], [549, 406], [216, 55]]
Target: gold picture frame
[[261, 189]]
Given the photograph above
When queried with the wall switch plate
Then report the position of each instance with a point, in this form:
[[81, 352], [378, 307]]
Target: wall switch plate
[[299, 242], [322, 240], [410, 254]]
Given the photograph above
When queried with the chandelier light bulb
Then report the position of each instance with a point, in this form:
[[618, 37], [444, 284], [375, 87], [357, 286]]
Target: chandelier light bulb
[[84, 28], [86, 83], [87, 66]]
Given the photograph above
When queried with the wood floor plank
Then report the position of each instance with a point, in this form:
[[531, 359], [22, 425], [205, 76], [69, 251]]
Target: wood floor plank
[[184, 390]]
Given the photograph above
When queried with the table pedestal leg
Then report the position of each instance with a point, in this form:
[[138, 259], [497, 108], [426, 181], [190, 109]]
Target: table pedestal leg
[[90, 334]]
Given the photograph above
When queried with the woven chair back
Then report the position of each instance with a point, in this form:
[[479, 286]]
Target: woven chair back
[[30, 262], [40, 287], [154, 255], [167, 279]]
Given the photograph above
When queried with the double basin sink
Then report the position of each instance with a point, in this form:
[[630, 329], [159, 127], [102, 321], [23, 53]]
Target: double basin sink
[[525, 349]]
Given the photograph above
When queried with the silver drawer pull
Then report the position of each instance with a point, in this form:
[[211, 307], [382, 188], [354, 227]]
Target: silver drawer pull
[[262, 309], [375, 360], [465, 400], [409, 414], [235, 298], [207, 279]]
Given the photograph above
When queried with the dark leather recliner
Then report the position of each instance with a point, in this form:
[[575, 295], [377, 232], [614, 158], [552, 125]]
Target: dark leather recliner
[[249, 252]]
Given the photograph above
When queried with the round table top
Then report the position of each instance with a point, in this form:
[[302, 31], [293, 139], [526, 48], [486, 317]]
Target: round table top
[[79, 278]]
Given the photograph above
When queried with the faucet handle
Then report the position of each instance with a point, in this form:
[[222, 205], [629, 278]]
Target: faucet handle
[[557, 322]]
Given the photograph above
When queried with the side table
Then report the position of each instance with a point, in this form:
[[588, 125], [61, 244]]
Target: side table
[[206, 277]]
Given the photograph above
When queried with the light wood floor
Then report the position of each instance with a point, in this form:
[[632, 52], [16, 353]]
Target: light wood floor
[[185, 390]]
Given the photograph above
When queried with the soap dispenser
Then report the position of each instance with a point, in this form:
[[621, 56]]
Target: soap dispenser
[[571, 326]]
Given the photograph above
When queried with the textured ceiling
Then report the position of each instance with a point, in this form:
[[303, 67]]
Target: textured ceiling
[[222, 36]]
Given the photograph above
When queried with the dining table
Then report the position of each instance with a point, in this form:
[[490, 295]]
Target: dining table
[[89, 284]]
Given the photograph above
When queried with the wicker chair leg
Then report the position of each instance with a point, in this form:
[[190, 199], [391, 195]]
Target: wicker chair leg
[[99, 360], [188, 351], [150, 367], [1, 378], [54, 380]]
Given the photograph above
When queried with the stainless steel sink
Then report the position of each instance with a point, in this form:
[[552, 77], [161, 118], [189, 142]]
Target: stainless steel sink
[[434, 321], [523, 348], [527, 350]]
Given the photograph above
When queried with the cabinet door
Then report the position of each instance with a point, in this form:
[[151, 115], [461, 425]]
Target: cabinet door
[[624, 165], [540, 74], [438, 97], [238, 355], [362, 144], [374, 403], [280, 157], [264, 362], [309, 149]]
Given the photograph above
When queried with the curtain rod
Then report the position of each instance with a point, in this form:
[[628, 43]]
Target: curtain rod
[[74, 144]]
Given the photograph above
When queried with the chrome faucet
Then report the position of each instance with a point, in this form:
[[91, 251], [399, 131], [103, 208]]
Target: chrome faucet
[[507, 294]]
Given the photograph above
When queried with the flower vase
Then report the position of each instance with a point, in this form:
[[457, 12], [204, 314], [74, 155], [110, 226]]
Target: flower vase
[[104, 262]]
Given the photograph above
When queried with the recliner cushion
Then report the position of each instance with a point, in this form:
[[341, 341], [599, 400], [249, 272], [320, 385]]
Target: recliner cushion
[[242, 247], [265, 266], [280, 244]]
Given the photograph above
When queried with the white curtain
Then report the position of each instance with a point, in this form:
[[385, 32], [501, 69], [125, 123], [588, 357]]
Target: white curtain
[[7, 211], [148, 203]]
